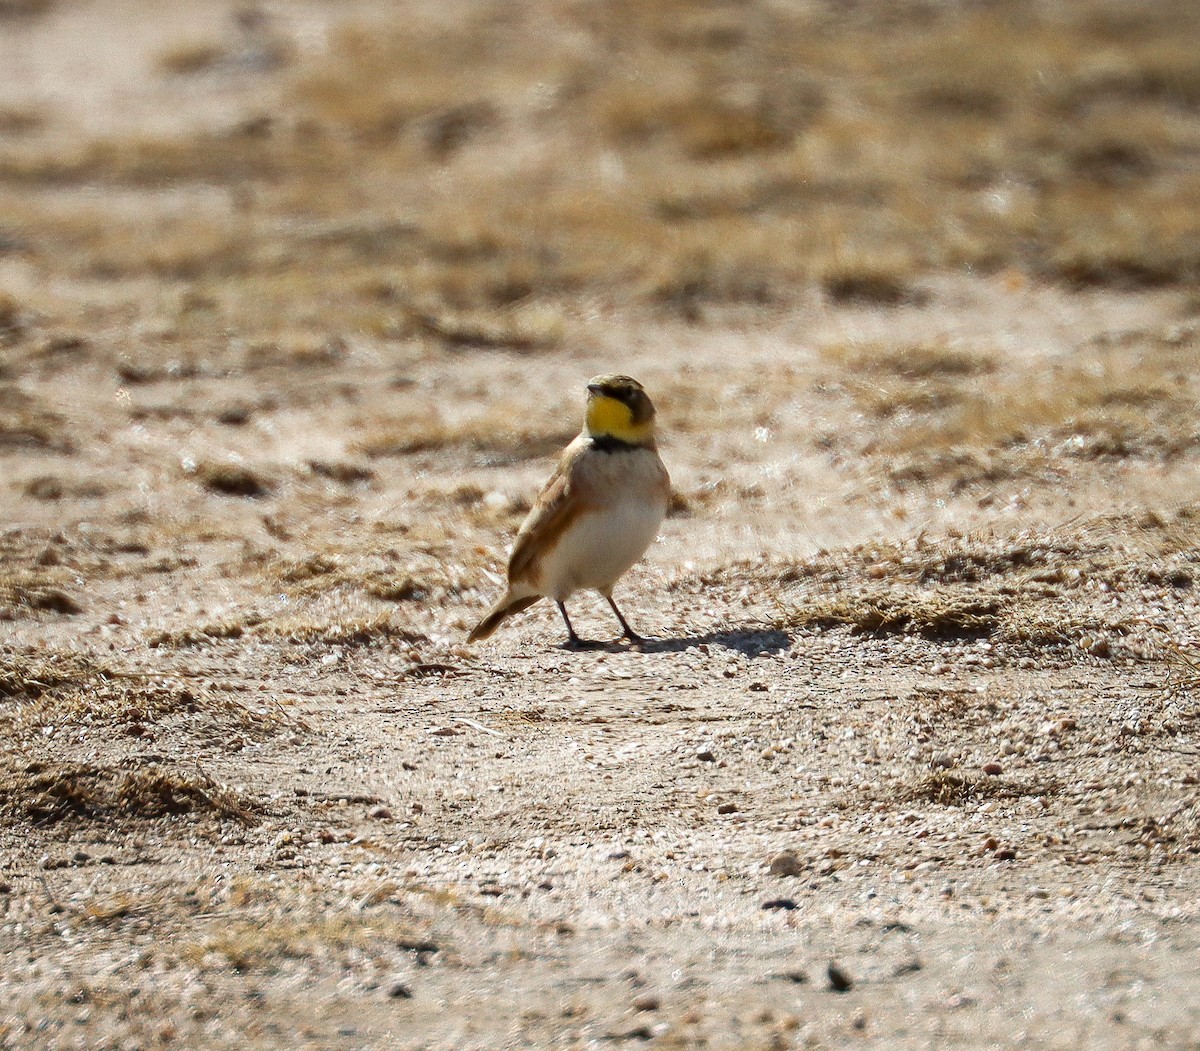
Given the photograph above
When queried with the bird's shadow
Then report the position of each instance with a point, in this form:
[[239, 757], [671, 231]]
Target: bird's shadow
[[750, 641]]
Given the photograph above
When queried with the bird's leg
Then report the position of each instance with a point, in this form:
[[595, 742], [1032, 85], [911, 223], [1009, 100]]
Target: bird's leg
[[574, 642], [630, 634]]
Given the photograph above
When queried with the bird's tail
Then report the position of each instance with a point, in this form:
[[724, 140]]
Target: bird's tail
[[503, 609]]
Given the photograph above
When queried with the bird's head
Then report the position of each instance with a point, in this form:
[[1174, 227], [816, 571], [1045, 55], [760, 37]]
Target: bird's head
[[618, 407]]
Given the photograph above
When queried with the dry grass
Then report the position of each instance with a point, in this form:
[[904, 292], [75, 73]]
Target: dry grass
[[231, 478], [27, 422], [941, 613], [496, 436], [960, 417], [24, 595], [48, 793], [25, 8], [664, 154], [196, 57], [521, 327], [31, 674], [1033, 592], [954, 788], [266, 945], [345, 631], [65, 690]]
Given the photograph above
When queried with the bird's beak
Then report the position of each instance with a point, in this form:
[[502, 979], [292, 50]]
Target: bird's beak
[[593, 388]]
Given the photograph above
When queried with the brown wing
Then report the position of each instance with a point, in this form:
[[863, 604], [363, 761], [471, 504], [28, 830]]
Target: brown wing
[[560, 503]]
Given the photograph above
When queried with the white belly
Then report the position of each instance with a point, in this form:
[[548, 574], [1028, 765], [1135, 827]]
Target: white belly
[[600, 546]]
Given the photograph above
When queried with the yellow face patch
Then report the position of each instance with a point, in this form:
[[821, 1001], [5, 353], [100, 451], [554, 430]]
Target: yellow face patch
[[607, 416]]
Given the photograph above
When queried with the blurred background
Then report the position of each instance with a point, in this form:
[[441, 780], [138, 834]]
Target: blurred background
[[676, 153]]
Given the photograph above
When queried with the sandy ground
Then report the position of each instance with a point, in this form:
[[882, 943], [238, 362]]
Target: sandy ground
[[910, 760]]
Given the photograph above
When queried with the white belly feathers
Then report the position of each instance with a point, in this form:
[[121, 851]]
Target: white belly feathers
[[604, 542]]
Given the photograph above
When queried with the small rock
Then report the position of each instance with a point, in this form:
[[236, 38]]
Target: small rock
[[647, 1002], [993, 769], [727, 808], [839, 981], [706, 755], [786, 904], [380, 813], [1005, 854], [942, 761], [399, 991], [786, 864]]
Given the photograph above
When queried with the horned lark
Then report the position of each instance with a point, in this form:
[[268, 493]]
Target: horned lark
[[597, 514]]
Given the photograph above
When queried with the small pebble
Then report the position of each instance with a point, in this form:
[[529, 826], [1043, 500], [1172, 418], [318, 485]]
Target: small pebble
[[786, 904], [705, 755], [993, 769], [399, 991], [786, 864], [839, 981], [727, 808], [647, 1002]]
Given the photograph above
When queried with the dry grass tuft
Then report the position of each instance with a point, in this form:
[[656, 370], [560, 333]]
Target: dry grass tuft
[[959, 418], [19, 597], [26, 422], [192, 58], [497, 436], [522, 327], [229, 478], [263, 946], [52, 691], [50, 487], [353, 631], [31, 674], [48, 793], [871, 284], [936, 614], [955, 788], [344, 472], [910, 361], [25, 8], [1035, 592]]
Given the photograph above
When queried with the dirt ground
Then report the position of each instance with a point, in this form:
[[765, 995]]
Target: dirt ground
[[297, 303]]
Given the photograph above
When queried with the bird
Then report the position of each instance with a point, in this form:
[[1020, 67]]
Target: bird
[[596, 516]]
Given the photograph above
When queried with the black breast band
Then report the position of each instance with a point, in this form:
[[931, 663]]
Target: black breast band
[[606, 443]]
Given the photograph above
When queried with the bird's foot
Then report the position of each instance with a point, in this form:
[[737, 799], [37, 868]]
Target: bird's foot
[[574, 642]]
